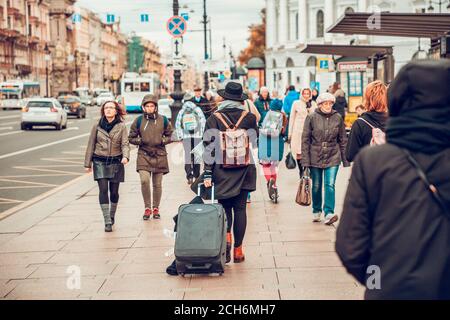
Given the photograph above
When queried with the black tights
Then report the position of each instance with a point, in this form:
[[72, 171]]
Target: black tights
[[113, 191], [238, 205]]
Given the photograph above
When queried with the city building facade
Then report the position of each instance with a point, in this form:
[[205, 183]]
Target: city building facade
[[292, 24]]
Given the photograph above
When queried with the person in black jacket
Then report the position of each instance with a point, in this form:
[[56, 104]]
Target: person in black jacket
[[341, 103], [206, 106], [232, 185], [394, 237], [376, 116]]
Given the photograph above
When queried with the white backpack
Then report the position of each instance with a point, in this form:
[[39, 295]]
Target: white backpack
[[378, 136]]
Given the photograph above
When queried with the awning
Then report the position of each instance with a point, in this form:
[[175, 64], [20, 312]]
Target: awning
[[413, 25], [362, 51]]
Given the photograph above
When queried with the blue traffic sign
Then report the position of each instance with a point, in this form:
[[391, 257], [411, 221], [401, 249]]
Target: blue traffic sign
[[185, 16], [145, 17], [176, 26]]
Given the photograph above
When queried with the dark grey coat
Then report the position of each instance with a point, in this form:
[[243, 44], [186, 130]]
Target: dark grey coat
[[324, 140], [391, 220]]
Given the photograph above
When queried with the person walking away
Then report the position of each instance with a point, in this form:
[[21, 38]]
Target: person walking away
[[107, 152], [271, 145], [361, 134], [341, 103], [263, 103], [190, 125], [315, 94], [202, 102], [250, 107], [392, 218], [323, 150], [233, 176], [151, 132], [300, 109], [290, 97]]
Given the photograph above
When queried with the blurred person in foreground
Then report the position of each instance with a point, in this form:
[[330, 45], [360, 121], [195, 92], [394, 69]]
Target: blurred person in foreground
[[392, 219]]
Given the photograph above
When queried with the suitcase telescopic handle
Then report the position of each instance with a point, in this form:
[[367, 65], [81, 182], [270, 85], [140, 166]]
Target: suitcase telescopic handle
[[212, 191]]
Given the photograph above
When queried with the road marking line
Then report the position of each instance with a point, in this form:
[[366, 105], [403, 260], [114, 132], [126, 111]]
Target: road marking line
[[8, 155], [29, 182], [6, 128], [11, 117], [4, 201], [43, 196], [51, 171], [36, 175], [78, 163], [27, 187], [10, 133], [9, 123]]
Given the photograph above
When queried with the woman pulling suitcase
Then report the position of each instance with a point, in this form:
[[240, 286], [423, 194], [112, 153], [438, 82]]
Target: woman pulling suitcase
[[228, 163]]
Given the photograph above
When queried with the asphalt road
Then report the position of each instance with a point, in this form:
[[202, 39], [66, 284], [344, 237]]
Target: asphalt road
[[34, 162]]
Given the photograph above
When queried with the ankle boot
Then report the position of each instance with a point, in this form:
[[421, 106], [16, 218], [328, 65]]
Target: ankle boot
[[106, 213], [238, 255], [108, 228], [229, 240]]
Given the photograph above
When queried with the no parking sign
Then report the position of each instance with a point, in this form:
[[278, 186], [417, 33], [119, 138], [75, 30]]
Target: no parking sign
[[176, 26]]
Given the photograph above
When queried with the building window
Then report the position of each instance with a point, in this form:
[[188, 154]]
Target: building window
[[290, 63], [274, 63], [319, 24], [312, 61], [289, 77], [349, 10], [296, 26]]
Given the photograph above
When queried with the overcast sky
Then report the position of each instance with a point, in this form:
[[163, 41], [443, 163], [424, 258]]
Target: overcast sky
[[230, 19]]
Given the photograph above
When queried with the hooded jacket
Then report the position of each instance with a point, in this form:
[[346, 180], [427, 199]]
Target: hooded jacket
[[361, 133], [189, 107], [390, 218], [289, 100]]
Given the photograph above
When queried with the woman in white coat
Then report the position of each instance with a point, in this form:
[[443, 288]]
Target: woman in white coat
[[300, 109]]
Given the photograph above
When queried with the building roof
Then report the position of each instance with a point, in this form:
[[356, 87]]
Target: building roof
[[348, 50], [256, 63], [414, 25]]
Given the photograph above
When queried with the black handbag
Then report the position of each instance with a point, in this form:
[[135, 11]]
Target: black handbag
[[290, 161]]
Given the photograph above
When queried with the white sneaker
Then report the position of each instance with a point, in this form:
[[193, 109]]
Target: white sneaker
[[317, 217], [331, 218]]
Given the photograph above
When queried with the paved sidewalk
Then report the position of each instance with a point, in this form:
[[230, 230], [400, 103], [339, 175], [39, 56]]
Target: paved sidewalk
[[287, 256]]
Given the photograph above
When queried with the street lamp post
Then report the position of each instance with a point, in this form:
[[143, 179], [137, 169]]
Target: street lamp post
[[76, 67], [177, 95], [439, 3], [205, 23]]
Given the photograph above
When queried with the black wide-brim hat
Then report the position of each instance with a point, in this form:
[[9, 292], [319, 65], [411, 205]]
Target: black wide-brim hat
[[233, 91]]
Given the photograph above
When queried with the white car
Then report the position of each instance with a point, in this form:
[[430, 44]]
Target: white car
[[43, 112], [164, 108], [105, 96]]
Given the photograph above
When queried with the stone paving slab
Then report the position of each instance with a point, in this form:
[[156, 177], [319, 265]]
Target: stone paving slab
[[287, 256]]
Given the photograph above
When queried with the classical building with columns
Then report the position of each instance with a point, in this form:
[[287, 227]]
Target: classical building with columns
[[292, 24]]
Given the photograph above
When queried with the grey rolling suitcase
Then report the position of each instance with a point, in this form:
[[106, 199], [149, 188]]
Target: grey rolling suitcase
[[200, 243]]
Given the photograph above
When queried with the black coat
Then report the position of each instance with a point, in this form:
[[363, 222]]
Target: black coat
[[229, 182], [324, 140], [340, 106], [391, 220], [206, 106], [361, 132]]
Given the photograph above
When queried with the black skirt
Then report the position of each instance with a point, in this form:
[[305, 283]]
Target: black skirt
[[114, 172]]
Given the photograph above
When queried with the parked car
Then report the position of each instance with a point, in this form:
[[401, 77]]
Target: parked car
[[73, 106], [164, 108], [105, 96], [43, 112]]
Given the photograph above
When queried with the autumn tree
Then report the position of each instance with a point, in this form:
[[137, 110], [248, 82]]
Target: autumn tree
[[256, 41]]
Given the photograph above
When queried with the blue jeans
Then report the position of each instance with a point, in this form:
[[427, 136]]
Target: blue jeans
[[317, 175]]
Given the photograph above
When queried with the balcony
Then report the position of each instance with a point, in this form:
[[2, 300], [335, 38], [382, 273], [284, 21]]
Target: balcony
[[33, 19], [33, 40], [13, 11]]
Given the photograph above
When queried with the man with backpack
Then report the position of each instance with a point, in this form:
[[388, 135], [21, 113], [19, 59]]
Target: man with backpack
[[151, 132], [370, 127], [190, 126]]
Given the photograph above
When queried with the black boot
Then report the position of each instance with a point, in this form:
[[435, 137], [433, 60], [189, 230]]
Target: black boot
[[108, 228], [172, 269]]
